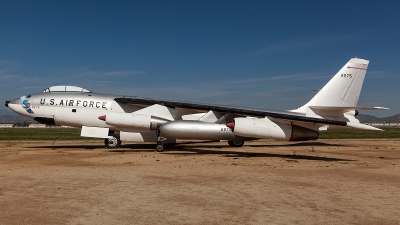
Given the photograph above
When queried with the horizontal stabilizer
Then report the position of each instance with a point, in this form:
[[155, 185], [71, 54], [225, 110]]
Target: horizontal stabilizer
[[362, 126], [347, 108]]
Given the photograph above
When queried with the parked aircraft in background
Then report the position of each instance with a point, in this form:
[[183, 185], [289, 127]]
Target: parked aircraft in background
[[163, 121]]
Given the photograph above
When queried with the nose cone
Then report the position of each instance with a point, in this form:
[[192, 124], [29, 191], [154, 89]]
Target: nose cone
[[16, 101], [168, 129], [14, 104], [17, 106]]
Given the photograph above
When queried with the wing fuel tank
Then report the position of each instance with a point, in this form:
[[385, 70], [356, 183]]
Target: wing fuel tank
[[197, 130]]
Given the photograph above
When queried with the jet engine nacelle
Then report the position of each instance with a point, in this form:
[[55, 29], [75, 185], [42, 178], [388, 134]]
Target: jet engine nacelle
[[133, 122], [265, 128]]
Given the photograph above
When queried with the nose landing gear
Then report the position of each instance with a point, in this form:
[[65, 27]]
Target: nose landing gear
[[113, 142]]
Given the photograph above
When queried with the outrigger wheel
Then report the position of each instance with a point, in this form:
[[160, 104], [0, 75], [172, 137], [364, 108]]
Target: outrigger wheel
[[113, 142], [236, 143]]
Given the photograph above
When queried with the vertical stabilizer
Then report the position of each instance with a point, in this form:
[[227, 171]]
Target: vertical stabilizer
[[344, 88]]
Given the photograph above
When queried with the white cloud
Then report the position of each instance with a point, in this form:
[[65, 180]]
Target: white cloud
[[284, 78], [35, 88], [378, 74], [8, 76], [90, 73], [304, 42], [119, 73]]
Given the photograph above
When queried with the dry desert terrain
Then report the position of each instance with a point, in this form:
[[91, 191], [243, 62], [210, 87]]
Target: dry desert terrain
[[264, 182]]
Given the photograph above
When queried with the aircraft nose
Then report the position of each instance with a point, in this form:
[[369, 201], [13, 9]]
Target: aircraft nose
[[16, 101], [22, 109], [14, 104]]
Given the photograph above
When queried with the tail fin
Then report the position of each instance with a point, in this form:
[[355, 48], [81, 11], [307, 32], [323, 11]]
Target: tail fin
[[343, 90], [338, 99]]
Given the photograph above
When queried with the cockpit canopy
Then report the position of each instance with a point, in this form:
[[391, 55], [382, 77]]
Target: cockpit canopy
[[65, 88]]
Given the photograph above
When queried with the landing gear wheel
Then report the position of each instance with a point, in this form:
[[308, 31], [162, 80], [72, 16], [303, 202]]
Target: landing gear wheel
[[160, 146], [113, 141], [236, 143]]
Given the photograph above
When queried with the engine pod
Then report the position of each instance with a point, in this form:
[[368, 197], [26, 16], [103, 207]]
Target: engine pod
[[303, 134], [129, 121], [266, 128]]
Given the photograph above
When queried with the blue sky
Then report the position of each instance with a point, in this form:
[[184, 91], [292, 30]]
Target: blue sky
[[263, 54]]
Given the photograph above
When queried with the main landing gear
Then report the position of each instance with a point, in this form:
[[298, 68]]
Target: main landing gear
[[160, 144], [236, 143], [113, 142]]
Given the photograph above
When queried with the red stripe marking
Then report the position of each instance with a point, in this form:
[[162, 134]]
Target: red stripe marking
[[357, 68]]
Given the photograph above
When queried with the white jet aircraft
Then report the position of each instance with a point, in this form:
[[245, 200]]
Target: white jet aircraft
[[163, 121]]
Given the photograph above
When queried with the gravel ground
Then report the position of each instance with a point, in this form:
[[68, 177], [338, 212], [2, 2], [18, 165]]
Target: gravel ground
[[264, 182]]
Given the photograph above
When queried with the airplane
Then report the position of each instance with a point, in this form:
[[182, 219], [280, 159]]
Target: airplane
[[163, 121]]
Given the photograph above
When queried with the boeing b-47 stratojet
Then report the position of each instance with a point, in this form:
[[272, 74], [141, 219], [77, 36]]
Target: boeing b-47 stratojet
[[164, 121]]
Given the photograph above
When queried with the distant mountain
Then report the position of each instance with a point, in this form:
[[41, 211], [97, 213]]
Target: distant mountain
[[15, 119], [393, 119], [363, 118], [373, 119], [5, 112]]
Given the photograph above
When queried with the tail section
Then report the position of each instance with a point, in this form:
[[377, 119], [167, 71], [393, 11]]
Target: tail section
[[344, 88], [338, 99]]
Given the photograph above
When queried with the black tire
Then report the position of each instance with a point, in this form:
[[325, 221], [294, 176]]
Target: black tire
[[113, 142], [160, 147], [236, 143]]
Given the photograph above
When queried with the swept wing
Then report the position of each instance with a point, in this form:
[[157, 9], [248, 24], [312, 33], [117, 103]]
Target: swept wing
[[291, 116]]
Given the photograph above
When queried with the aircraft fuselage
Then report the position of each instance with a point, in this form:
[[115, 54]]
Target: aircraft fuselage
[[75, 109]]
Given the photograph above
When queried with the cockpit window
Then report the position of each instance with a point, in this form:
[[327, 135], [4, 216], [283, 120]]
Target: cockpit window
[[65, 88]]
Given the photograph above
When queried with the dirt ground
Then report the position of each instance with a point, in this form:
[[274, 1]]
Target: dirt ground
[[264, 182]]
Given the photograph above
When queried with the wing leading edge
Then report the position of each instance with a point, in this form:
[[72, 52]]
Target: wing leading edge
[[229, 109]]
